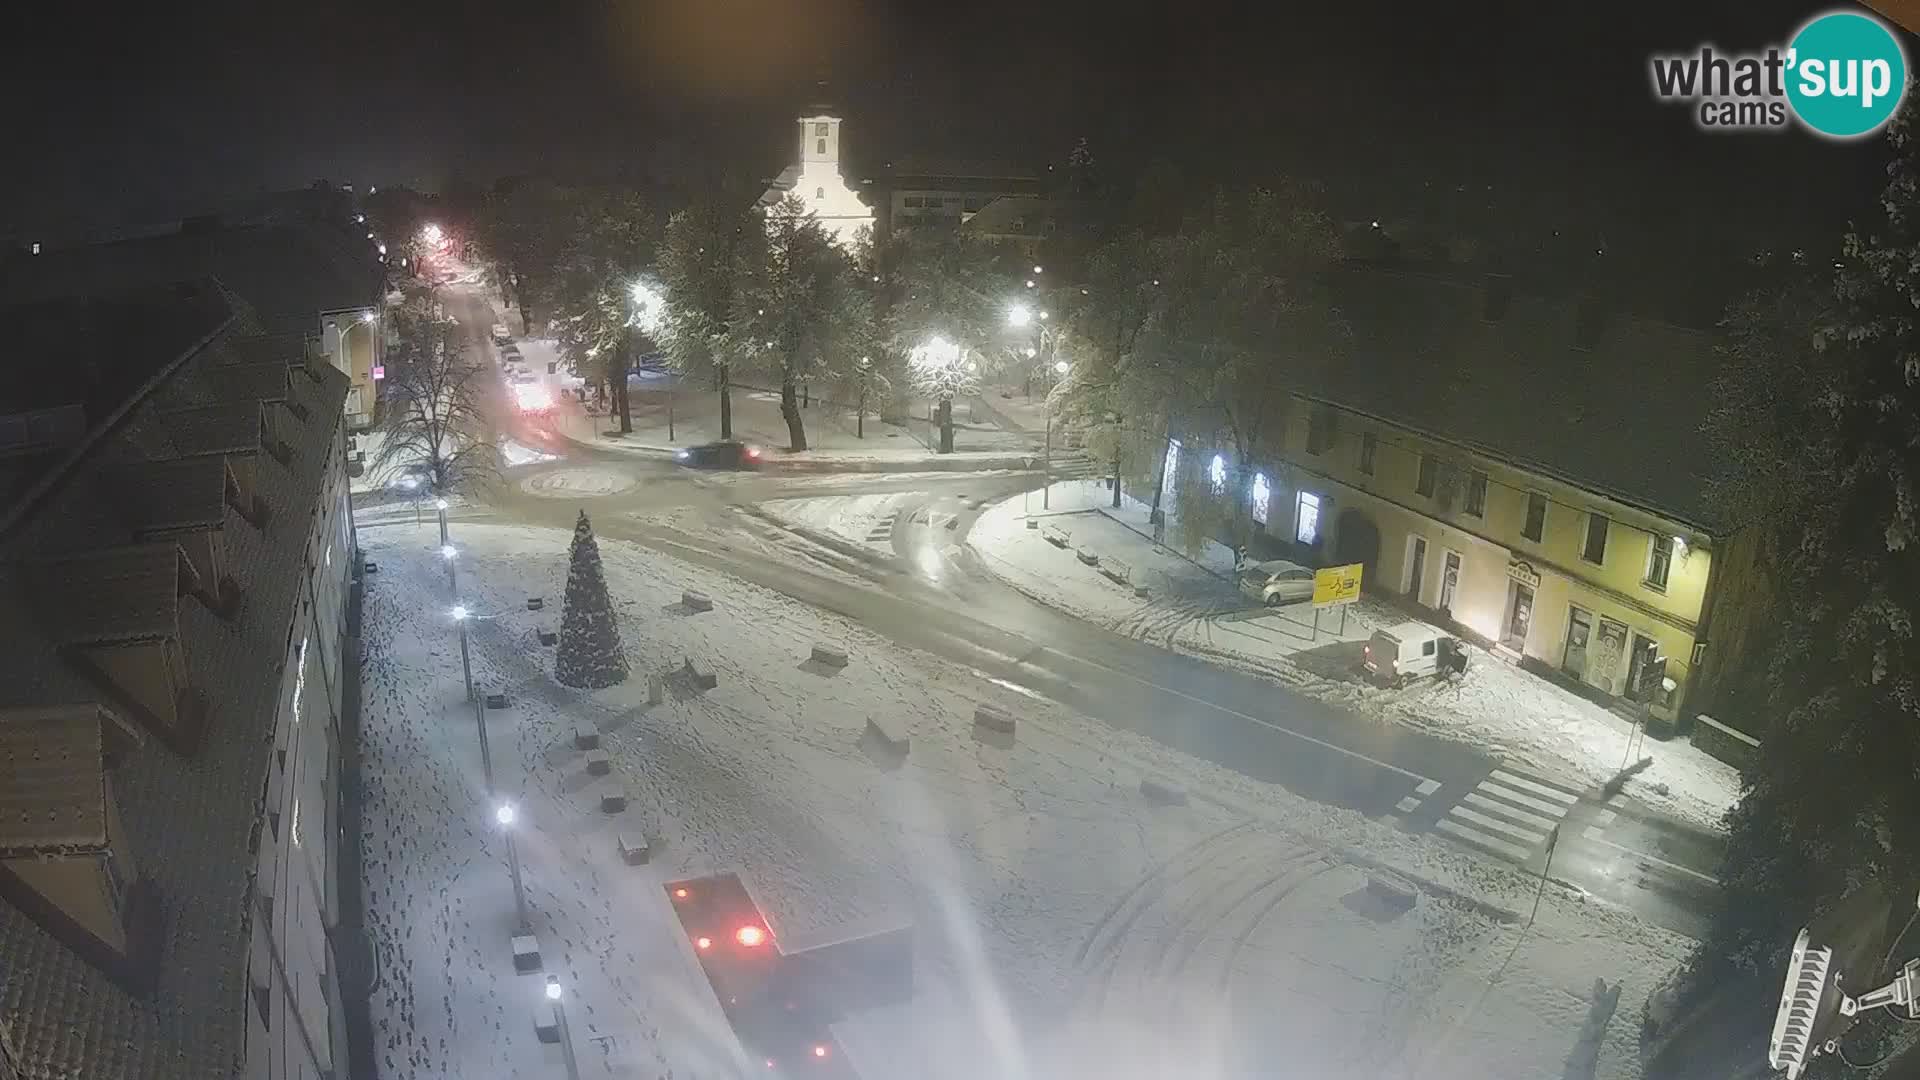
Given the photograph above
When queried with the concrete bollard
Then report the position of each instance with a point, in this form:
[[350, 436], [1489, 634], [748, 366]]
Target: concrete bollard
[[986, 716], [526, 953], [696, 601], [1162, 793], [830, 656]]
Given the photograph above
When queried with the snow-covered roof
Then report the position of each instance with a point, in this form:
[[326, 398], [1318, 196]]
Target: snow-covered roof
[[127, 593], [188, 820], [179, 494], [52, 776]]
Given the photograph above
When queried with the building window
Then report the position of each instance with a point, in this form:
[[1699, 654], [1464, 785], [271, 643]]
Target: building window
[[1368, 444], [1319, 431], [1595, 549], [1536, 524], [1429, 476], [1306, 524], [1262, 497], [1217, 475], [1659, 561], [1477, 494], [820, 147], [820, 193], [820, 130]]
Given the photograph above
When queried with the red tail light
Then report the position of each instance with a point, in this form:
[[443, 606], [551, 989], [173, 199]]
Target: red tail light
[[750, 936], [753, 451], [703, 943]]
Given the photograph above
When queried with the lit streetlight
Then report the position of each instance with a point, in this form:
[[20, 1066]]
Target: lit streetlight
[[504, 814], [1019, 315], [554, 994]]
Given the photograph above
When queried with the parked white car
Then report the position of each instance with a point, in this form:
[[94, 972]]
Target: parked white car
[[1276, 582]]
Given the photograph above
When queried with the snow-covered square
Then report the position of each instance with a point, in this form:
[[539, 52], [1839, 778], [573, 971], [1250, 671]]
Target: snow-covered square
[[1065, 923]]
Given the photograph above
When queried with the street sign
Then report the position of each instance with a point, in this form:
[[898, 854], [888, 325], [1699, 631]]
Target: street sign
[[1336, 585]]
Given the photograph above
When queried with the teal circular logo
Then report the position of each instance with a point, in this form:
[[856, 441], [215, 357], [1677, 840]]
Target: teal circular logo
[[1846, 74]]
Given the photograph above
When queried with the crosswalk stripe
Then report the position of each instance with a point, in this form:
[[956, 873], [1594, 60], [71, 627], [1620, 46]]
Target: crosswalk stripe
[[1428, 787], [1557, 794], [1407, 804], [1482, 840], [1519, 817], [1482, 821], [1521, 798]]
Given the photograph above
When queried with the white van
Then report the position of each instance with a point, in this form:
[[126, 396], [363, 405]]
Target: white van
[[1400, 654]]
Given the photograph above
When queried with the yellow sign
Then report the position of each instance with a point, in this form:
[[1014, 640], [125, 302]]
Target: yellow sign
[[1336, 585]]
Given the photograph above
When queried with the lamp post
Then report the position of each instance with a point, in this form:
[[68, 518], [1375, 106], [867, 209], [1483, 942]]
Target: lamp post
[[554, 994], [441, 506], [450, 553], [504, 814], [1046, 500], [460, 616]]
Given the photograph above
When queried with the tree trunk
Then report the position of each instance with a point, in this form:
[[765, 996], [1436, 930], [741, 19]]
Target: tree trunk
[[622, 393], [726, 403], [790, 408], [1116, 479], [860, 416], [944, 413]]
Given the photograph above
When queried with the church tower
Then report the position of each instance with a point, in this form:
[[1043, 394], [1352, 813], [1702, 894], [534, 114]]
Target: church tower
[[817, 180]]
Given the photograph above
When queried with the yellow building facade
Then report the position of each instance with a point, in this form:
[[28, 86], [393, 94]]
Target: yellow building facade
[[1603, 591]]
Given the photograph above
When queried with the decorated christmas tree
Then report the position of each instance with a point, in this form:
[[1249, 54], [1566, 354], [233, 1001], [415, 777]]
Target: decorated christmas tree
[[590, 654]]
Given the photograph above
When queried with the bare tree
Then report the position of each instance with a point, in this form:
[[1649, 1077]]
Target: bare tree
[[434, 426]]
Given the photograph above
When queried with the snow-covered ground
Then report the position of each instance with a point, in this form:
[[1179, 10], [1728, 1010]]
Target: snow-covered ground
[[855, 518], [1195, 609], [1065, 927]]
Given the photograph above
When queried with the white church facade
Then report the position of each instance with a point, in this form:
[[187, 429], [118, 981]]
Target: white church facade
[[816, 179]]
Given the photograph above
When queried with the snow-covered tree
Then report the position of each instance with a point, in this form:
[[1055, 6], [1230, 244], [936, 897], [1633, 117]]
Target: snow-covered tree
[[699, 263], [1828, 461], [948, 305], [590, 655], [433, 417]]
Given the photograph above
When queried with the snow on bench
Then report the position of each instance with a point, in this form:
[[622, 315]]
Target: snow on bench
[[887, 735], [1086, 556], [634, 850], [535, 603], [613, 800], [585, 735], [696, 601], [1162, 792], [548, 637], [546, 1022], [830, 656], [496, 701], [704, 680], [1056, 536], [598, 763], [526, 953], [993, 719], [1117, 572]]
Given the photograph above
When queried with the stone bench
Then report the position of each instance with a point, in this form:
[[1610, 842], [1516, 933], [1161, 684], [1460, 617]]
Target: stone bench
[[546, 1022], [889, 735], [548, 637], [830, 656], [535, 603], [613, 800], [1056, 536], [696, 601], [1162, 793], [585, 736], [598, 763], [634, 849], [986, 716], [1117, 572], [702, 680], [496, 701], [526, 953], [1086, 557]]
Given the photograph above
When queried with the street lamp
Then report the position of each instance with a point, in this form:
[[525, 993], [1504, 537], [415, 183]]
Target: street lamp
[[554, 994], [460, 614], [504, 814], [440, 505], [450, 553], [1019, 315]]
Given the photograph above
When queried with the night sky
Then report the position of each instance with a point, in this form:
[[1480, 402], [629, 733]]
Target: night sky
[[161, 108]]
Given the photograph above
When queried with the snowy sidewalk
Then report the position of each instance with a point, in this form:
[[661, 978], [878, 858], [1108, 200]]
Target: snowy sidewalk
[[1066, 926], [1196, 609]]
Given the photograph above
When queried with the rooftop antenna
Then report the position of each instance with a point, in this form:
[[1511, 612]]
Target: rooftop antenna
[[1814, 1011]]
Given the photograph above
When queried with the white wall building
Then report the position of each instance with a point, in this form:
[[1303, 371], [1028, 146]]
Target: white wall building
[[818, 181]]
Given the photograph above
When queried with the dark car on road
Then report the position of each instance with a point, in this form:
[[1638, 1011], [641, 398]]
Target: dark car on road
[[730, 454]]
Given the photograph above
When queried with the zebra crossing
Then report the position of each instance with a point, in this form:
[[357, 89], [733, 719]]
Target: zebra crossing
[[881, 533], [1509, 814], [1073, 467]]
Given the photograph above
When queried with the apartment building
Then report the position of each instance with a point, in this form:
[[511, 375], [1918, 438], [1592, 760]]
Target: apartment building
[[176, 548], [1530, 469]]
